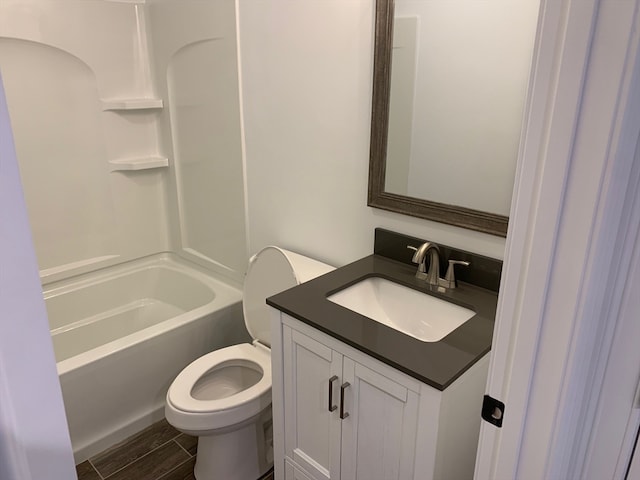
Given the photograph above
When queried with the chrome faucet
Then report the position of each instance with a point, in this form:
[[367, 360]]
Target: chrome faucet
[[420, 256]]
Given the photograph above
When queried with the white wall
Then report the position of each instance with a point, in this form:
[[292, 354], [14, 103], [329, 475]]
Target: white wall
[[194, 49], [306, 82]]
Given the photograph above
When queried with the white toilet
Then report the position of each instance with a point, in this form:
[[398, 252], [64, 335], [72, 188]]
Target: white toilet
[[224, 397]]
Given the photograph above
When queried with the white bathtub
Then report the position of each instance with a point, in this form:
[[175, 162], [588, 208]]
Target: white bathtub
[[122, 334]]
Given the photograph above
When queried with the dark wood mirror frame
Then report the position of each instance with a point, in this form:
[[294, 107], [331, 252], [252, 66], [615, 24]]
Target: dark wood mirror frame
[[378, 198]]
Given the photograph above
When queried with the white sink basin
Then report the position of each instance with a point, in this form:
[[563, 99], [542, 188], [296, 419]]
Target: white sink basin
[[409, 311]]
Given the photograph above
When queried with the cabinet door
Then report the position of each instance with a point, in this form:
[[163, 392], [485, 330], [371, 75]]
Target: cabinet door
[[379, 433], [312, 425], [292, 472]]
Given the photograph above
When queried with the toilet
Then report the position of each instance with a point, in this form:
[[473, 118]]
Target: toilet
[[224, 397]]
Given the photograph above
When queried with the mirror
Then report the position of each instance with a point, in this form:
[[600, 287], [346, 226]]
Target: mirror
[[449, 87]]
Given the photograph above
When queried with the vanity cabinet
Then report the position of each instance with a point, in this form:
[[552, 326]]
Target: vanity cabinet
[[340, 414], [345, 420]]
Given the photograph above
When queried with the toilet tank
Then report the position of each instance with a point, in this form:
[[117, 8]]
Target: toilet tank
[[273, 270]]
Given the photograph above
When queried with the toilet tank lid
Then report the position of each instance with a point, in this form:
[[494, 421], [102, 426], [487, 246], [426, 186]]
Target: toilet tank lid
[[273, 270]]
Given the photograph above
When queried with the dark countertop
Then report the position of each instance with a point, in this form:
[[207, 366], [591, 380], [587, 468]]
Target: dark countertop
[[435, 363]]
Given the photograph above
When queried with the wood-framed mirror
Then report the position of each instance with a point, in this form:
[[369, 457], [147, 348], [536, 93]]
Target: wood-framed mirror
[[446, 119]]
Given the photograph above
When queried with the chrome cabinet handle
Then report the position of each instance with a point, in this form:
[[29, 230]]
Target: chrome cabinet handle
[[332, 407], [343, 387]]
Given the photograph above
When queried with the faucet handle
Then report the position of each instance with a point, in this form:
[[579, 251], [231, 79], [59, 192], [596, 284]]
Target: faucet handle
[[450, 277]]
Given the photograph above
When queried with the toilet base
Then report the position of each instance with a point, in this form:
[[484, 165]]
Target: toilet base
[[242, 454]]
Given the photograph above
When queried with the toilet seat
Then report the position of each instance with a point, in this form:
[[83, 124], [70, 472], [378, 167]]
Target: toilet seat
[[192, 413], [180, 392]]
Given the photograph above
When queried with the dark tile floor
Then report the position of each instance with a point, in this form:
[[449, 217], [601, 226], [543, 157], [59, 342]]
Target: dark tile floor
[[159, 452]]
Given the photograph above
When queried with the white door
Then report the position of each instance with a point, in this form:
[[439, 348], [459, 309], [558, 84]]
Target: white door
[[313, 374], [564, 257], [634, 467], [379, 425], [34, 439]]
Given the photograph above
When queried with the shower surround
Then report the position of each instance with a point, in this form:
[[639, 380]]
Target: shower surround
[[126, 117]]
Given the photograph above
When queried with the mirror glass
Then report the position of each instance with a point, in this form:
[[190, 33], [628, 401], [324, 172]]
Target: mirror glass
[[450, 80]]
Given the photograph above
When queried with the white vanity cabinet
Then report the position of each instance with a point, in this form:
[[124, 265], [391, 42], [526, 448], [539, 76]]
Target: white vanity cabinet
[[340, 414], [344, 420]]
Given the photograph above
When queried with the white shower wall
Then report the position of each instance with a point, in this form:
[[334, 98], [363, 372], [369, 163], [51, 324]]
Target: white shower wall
[[194, 46], [127, 129]]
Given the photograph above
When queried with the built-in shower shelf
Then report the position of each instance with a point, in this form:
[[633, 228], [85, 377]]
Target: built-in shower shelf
[[135, 164], [128, 1], [131, 104]]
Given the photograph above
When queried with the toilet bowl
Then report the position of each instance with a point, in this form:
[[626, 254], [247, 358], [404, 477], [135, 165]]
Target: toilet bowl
[[224, 397]]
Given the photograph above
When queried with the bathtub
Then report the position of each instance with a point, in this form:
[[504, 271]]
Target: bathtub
[[123, 333]]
